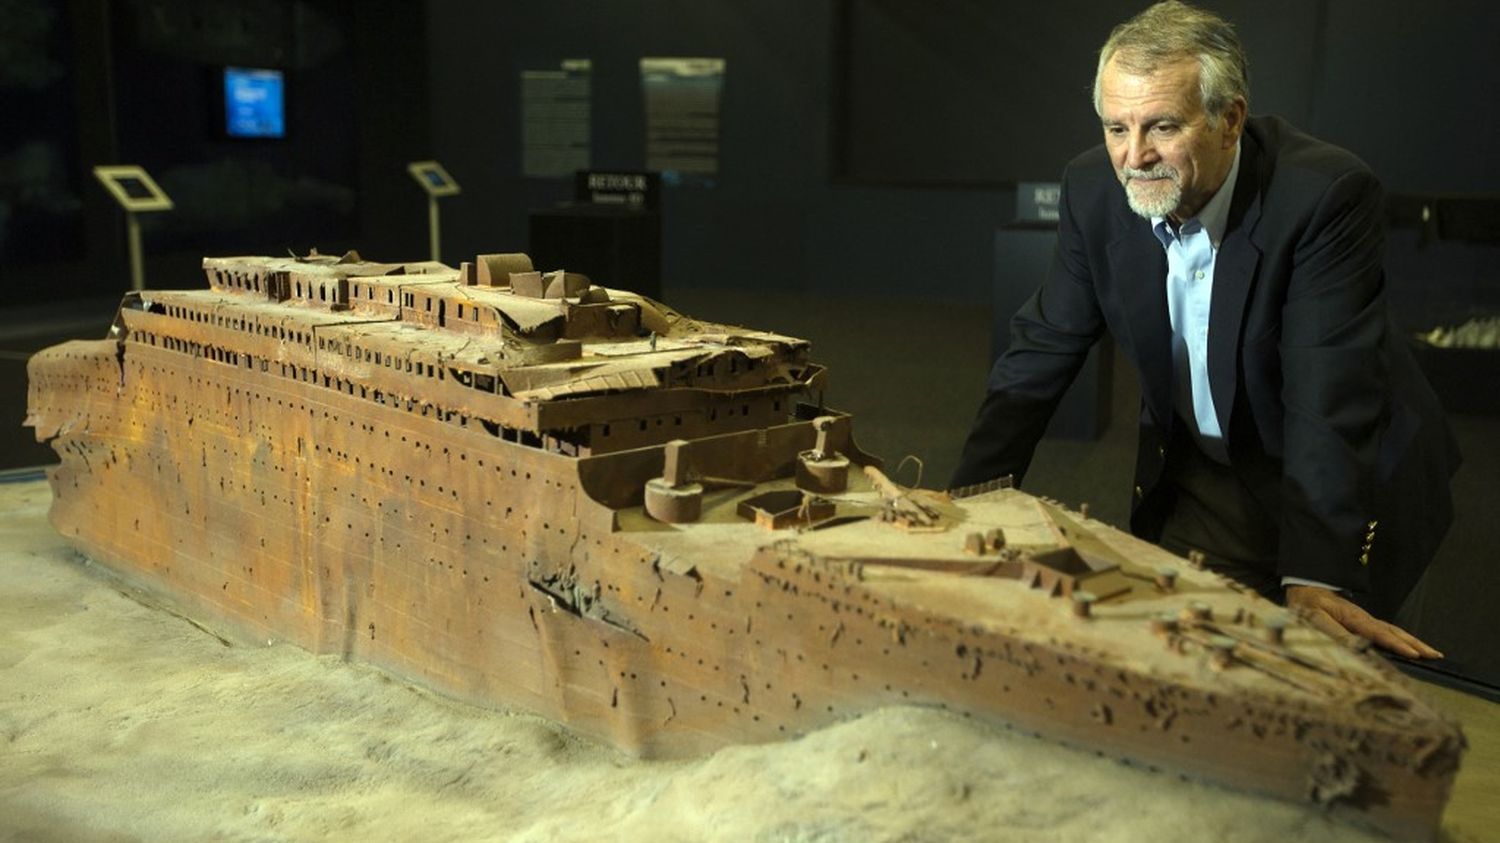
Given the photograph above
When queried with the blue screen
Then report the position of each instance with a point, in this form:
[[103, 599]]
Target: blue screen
[[254, 106]]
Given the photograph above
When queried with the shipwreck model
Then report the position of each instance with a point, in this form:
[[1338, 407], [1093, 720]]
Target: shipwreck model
[[519, 488]]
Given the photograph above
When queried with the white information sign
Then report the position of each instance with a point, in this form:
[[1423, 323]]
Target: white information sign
[[555, 123], [682, 117]]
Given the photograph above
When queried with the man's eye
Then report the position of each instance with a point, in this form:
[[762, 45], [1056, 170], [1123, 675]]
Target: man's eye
[[1164, 128]]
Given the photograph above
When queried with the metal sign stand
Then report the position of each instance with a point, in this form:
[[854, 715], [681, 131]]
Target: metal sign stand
[[137, 193], [436, 181]]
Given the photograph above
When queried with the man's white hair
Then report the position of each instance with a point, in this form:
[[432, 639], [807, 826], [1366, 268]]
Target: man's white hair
[[1171, 31]]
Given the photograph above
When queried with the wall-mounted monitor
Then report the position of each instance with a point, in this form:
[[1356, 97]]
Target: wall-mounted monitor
[[254, 103]]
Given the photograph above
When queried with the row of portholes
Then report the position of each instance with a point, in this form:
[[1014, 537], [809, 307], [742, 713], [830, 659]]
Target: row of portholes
[[235, 392], [425, 409], [252, 326], [279, 332], [302, 373], [606, 429], [234, 280], [367, 292], [322, 291], [365, 355]]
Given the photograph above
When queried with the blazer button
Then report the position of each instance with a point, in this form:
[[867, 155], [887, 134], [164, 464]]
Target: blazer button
[[1138, 493], [1161, 450]]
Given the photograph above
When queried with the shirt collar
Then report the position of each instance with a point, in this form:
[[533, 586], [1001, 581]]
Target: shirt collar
[[1214, 218]]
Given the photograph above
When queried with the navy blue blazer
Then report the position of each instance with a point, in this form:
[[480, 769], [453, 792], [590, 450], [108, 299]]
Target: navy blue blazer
[[1325, 414]]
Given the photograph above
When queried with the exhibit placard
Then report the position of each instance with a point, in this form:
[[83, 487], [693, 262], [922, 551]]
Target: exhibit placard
[[630, 188], [433, 178], [555, 121], [133, 188], [682, 117], [1037, 201]]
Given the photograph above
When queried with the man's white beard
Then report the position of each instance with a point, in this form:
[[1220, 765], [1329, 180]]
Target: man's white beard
[[1162, 198]]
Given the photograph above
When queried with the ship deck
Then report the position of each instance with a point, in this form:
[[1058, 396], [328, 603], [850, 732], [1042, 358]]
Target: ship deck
[[934, 573]]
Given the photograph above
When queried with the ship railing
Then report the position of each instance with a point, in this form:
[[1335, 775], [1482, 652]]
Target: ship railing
[[975, 489]]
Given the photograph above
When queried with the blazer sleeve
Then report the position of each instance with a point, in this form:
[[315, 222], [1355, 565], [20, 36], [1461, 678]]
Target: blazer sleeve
[[1335, 386], [1050, 337]]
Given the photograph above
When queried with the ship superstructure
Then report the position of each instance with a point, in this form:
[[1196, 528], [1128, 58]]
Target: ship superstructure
[[520, 488]]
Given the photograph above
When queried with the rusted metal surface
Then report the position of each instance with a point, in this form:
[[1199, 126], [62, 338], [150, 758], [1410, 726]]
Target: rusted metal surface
[[452, 474]]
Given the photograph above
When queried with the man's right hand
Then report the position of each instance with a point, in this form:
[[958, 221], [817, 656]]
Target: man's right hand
[[1343, 618]]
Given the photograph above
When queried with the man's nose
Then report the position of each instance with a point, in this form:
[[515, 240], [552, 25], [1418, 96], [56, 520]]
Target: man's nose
[[1140, 153]]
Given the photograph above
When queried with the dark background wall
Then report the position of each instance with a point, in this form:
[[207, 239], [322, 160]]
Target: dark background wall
[[90, 82], [868, 146], [775, 220]]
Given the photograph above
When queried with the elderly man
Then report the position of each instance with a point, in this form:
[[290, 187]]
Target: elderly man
[[1285, 430]]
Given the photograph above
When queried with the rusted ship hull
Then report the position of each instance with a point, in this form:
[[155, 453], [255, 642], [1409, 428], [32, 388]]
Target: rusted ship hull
[[504, 574]]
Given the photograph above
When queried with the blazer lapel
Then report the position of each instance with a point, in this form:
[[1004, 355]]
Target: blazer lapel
[[1139, 268], [1234, 277]]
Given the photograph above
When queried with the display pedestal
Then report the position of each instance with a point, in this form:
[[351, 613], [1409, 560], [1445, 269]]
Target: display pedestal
[[1023, 253]]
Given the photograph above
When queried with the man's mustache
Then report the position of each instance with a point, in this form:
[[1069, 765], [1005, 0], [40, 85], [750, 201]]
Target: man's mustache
[[1160, 171]]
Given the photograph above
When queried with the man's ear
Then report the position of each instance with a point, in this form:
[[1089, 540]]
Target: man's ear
[[1234, 121]]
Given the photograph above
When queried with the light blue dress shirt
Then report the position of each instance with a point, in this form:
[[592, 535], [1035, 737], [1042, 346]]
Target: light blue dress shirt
[[1191, 251]]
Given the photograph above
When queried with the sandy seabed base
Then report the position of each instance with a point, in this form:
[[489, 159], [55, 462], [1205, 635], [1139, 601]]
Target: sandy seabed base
[[120, 721]]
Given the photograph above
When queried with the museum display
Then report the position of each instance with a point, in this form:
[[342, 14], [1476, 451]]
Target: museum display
[[520, 488]]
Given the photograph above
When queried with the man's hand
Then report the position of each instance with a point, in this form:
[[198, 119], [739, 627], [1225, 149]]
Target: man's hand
[[1342, 619]]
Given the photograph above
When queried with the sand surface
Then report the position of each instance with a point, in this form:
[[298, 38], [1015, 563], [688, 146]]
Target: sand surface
[[120, 721]]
